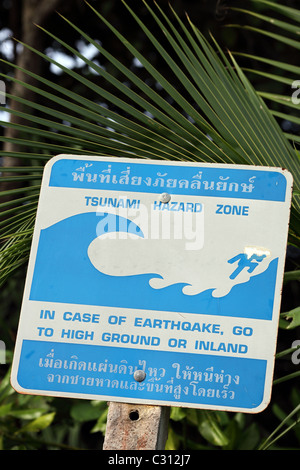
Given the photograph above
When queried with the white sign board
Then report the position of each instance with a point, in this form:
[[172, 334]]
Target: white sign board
[[154, 282]]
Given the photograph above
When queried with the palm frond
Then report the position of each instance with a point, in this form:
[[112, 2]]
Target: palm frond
[[219, 118], [286, 33], [288, 12]]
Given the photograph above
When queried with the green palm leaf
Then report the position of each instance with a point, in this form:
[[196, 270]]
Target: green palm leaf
[[291, 13], [288, 34], [220, 118]]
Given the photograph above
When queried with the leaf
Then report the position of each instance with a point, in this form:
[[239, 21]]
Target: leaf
[[294, 69], [219, 116], [293, 315], [100, 425], [278, 78], [5, 388], [291, 13], [212, 432], [272, 438], [29, 413], [5, 409], [287, 377], [173, 440], [38, 424], [277, 37], [273, 21], [292, 276], [272, 98], [87, 411], [178, 414], [250, 437]]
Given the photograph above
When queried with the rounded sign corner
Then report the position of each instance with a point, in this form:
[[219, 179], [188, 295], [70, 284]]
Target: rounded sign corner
[[288, 174], [289, 178], [262, 406], [16, 386], [54, 159], [50, 163], [64, 156]]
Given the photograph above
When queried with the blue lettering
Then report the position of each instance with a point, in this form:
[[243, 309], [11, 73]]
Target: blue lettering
[[245, 210], [132, 204], [67, 316], [236, 210], [198, 207], [82, 317], [77, 334], [178, 206], [111, 202], [232, 210], [157, 205], [221, 347], [47, 314]]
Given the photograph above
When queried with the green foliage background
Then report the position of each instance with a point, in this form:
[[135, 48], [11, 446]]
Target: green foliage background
[[185, 97]]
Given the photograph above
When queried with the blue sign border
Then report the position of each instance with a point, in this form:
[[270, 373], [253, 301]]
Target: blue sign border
[[209, 380], [176, 179]]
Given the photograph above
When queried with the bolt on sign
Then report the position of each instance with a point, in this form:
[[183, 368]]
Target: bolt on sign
[[155, 283]]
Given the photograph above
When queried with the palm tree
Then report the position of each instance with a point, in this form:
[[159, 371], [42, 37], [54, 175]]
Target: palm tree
[[220, 117]]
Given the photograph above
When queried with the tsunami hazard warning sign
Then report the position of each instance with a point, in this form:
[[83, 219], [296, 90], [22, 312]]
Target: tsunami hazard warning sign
[[154, 282]]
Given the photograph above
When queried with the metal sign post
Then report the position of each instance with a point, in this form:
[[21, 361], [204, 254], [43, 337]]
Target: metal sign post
[[136, 427], [154, 283]]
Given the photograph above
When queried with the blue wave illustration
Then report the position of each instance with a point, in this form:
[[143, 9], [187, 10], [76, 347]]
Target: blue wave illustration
[[63, 273]]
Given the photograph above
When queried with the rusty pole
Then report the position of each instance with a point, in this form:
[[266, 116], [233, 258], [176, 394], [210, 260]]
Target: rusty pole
[[136, 427]]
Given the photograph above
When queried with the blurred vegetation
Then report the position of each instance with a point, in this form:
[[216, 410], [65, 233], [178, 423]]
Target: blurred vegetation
[[43, 423]]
